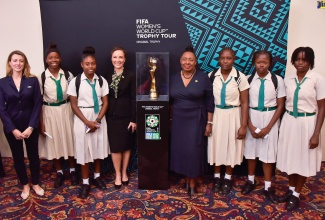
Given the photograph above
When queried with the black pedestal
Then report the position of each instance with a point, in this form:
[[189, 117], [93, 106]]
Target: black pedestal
[[153, 132]]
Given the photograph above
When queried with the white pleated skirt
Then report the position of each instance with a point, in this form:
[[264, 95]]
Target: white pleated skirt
[[223, 146], [58, 121], [93, 145], [294, 155], [264, 149]]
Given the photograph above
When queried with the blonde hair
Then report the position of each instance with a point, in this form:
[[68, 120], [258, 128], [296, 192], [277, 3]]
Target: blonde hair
[[26, 70]]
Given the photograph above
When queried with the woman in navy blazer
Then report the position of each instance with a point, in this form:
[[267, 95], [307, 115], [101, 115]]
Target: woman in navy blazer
[[121, 118], [20, 106]]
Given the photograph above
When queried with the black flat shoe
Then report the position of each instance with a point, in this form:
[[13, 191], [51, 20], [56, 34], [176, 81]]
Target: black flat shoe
[[99, 183], [292, 203], [125, 183], [285, 197], [270, 194], [217, 184], [226, 187], [59, 180], [192, 191], [84, 191], [248, 187], [74, 178]]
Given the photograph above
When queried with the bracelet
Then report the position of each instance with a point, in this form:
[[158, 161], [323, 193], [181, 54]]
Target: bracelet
[[210, 122], [31, 128], [98, 120]]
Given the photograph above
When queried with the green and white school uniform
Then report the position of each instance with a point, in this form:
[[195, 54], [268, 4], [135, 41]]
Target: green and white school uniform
[[264, 149], [93, 145], [294, 155], [223, 146], [57, 118]]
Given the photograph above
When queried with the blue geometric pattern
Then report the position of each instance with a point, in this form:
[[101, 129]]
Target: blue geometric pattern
[[245, 26]]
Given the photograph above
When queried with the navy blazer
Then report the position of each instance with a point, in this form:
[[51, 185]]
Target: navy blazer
[[125, 103], [19, 110]]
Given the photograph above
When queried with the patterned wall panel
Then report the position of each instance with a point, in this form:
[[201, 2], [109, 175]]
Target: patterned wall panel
[[245, 26]]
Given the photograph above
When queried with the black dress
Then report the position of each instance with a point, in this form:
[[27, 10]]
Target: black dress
[[189, 118], [121, 111]]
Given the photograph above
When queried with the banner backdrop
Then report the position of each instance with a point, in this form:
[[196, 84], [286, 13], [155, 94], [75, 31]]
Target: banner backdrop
[[167, 26], [154, 26]]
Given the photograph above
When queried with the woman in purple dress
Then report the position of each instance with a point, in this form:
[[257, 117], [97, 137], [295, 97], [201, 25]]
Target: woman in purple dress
[[192, 111]]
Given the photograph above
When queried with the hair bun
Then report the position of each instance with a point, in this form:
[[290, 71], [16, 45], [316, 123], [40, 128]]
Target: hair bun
[[89, 50], [52, 46], [189, 48]]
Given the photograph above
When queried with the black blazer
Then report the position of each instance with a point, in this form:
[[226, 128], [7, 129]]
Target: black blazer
[[19, 110], [125, 103]]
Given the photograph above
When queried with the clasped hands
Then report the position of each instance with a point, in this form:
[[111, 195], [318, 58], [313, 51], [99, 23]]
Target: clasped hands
[[22, 135]]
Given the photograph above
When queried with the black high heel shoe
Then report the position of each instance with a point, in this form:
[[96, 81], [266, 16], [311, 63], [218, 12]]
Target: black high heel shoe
[[117, 186], [125, 183], [187, 186], [191, 191]]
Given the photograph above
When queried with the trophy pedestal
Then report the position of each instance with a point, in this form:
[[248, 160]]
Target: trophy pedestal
[[153, 142], [153, 95]]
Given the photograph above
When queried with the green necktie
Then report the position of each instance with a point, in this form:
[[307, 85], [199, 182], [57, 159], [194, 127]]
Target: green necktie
[[223, 92], [59, 93], [261, 95], [96, 105], [295, 97]]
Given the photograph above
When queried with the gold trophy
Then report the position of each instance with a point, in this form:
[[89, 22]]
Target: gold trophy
[[153, 91]]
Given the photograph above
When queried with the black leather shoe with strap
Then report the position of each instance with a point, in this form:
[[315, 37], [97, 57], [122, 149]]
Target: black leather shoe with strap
[[248, 187]]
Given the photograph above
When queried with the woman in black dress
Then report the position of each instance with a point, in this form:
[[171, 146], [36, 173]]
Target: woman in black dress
[[191, 98], [121, 118]]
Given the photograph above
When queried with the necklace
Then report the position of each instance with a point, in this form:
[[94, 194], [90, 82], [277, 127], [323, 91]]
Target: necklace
[[188, 77]]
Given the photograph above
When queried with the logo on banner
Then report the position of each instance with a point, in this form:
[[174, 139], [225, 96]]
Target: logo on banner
[[321, 4], [152, 128], [147, 32]]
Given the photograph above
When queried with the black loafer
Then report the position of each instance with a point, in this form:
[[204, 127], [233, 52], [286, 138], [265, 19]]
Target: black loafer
[[270, 194], [59, 180], [292, 203], [248, 187], [84, 191], [99, 183], [217, 184], [226, 186], [74, 178], [285, 197]]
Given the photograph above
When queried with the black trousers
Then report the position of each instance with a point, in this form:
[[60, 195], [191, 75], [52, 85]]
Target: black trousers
[[17, 151]]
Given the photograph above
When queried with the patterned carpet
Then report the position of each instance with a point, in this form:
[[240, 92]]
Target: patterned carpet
[[131, 203]]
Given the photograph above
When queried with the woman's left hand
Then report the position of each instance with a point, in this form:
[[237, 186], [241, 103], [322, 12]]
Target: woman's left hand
[[314, 141], [132, 126], [208, 130], [27, 132], [241, 132]]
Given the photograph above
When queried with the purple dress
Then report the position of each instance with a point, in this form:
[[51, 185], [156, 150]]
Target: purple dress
[[191, 105]]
